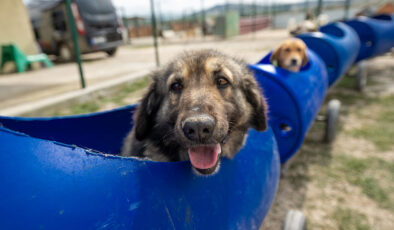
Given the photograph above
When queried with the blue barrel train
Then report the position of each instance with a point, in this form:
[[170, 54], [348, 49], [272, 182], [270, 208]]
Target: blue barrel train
[[376, 34], [55, 176]]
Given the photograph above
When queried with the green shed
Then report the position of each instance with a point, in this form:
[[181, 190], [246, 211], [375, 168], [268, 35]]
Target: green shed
[[227, 25]]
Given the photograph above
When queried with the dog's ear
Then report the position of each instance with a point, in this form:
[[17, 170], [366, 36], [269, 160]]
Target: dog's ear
[[146, 112], [275, 56], [255, 98], [305, 58]]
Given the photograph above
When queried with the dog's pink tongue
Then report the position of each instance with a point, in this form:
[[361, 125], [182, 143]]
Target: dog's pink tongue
[[204, 157]]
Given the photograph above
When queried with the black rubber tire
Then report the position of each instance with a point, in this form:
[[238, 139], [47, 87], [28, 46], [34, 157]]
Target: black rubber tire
[[332, 120], [65, 53], [295, 220], [111, 52], [361, 76]]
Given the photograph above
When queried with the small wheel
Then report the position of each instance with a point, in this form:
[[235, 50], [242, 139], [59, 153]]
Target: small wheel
[[295, 220], [65, 53], [111, 52], [361, 76], [332, 120]]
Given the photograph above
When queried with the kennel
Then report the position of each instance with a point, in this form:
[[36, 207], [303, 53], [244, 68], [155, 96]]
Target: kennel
[[293, 99], [55, 174], [337, 45], [375, 33]]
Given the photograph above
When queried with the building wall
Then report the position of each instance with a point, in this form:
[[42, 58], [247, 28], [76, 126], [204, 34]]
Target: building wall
[[15, 26]]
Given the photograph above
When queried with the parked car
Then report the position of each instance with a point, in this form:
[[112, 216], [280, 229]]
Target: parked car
[[99, 28]]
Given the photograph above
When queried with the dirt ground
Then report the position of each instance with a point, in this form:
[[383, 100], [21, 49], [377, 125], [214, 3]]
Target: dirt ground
[[346, 185]]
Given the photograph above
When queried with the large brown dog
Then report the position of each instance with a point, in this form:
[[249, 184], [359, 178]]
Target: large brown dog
[[198, 108]]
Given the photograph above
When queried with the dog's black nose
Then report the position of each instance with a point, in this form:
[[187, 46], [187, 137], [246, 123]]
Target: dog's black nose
[[293, 61], [198, 127]]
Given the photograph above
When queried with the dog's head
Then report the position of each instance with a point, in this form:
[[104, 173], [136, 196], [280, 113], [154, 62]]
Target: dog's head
[[200, 107], [290, 55]]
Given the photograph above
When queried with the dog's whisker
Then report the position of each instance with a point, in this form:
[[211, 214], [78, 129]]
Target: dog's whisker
[[167, 134]]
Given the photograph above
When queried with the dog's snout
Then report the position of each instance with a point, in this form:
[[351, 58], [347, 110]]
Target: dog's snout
[[293, 61], [199, 127]]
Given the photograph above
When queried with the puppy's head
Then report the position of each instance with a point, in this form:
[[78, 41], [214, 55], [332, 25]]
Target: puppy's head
[[200, 107], [290, 55]]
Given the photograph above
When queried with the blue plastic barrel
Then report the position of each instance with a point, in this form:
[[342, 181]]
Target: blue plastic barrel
[[376, 34], [294, 99], [54, 174], [337, 45]]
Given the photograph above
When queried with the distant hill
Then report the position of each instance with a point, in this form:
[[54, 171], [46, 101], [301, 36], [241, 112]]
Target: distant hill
[[250, 9]]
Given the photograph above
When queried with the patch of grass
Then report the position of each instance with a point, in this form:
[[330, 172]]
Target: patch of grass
[[97, 104], [141, 46], [353, 165], [387, 115], [137, 85], [381, 135], [345, 91], [359, 172], [315, 152], [298, 180], [346, 96], [128, 89], [88, 107], [347, 82], [312, 152], [348, 219], [389, 166], [373, 190], [388, 100], [382, 131], [373, 81]]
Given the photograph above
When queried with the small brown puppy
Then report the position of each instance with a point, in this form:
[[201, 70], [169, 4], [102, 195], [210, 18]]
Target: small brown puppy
[[290, 55], [199, 107]]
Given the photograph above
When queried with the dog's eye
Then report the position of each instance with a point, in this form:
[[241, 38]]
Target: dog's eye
[[176, 87], [298, 49], [287, 50], [222, 82]]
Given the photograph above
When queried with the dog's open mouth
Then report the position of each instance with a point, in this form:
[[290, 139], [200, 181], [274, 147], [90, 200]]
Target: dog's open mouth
[[205, 158]]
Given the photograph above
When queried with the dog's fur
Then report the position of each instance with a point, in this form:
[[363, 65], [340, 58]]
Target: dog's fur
[[387, 8], [290, 55], [158, 132]]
